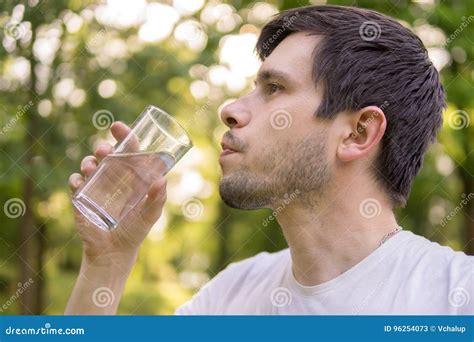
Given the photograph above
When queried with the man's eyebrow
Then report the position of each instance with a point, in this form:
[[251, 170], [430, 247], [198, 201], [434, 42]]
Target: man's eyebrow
[[272, 74]]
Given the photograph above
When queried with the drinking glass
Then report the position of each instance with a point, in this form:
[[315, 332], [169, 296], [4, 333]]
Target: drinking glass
[[154, 145]]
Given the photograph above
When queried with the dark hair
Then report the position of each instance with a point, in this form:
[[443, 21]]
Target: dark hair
[[366, 58]]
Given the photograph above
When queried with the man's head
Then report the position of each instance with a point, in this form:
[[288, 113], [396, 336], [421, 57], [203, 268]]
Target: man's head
[[340, 89]]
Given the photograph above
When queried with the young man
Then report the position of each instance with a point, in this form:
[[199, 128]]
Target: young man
[[345, 105]]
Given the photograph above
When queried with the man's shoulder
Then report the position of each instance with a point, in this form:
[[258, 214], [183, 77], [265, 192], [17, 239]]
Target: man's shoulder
[[419, 253], [416, 245], [440, 274]]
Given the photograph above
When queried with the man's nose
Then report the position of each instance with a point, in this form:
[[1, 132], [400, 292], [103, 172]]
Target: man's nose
[[235, 115]]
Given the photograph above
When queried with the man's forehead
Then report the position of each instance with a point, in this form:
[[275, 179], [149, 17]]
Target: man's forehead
[[293, 56]]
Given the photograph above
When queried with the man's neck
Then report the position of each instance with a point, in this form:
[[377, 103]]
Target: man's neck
[[328, 240]]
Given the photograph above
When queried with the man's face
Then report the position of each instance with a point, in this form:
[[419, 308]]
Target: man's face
[[280, 146]]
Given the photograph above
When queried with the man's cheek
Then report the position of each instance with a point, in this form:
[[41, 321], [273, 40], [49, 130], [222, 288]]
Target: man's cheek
[[281, 119]]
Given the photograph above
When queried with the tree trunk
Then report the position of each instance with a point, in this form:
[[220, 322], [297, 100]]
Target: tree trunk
[[26, 244], [32, 248], [40, 253]]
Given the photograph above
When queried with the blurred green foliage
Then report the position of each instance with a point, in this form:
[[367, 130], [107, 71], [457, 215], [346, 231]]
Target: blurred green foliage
[[63, 61]]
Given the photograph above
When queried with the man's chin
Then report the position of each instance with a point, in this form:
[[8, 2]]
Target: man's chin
[[240, 192]]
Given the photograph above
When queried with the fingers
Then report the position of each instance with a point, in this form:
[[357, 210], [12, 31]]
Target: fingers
[[139, 221], [88, 165], [102, 151], [153, 203], [75, 181], [121, 131]]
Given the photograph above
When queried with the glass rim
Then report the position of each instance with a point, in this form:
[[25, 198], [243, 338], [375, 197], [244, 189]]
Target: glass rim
[[174, 121]]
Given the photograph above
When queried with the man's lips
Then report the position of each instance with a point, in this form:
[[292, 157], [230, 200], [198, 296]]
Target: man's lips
[[227, 152], [227, 149]]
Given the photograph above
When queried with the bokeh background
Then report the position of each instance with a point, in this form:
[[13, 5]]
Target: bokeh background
[[69, 68]]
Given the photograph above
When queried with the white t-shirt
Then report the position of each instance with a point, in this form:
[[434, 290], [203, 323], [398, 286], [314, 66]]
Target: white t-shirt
[[407, 275]]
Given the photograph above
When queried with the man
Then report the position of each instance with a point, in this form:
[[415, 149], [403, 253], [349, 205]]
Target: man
[[345, 105]]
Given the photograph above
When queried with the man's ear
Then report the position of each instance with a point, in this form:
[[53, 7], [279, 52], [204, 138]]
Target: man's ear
[[364, 130]]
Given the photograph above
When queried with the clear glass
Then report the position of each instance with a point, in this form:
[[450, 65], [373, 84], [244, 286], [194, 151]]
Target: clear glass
[[154, 145]]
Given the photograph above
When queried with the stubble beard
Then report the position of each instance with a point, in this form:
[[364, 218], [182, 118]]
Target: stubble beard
[[300, 168]]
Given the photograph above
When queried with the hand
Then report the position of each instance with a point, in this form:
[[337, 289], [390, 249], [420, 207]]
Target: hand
[[123, 242]]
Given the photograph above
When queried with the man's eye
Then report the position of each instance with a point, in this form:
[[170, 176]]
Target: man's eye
[[273, 88]]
